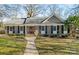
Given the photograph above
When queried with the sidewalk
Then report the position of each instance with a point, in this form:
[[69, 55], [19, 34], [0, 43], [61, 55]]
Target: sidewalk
[[30, 48]]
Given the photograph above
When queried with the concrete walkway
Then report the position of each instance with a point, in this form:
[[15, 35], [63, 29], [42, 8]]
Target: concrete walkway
[[30, 48]]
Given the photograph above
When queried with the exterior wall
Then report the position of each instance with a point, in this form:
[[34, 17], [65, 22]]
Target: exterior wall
[[15, 30], [57, 32], [38, 28]]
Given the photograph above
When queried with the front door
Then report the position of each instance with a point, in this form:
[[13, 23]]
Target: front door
[[31, 29]]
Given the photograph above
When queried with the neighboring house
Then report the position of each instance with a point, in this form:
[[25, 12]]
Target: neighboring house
[[50, 26]]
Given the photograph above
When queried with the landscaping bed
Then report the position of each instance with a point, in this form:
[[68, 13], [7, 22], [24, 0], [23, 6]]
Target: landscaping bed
[[12, 45], [57, 46]]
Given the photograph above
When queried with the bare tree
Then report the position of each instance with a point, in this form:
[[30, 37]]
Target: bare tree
[[54, 9], [32, 10], [8, 11]]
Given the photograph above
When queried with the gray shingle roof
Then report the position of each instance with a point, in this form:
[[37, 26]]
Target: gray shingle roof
[[53, 19], [36, 20]]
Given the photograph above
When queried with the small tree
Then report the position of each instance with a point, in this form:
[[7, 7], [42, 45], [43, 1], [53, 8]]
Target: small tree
[[73, 22]]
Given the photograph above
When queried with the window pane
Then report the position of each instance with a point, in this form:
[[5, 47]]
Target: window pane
[[11, 28], [21, 28], [54, 28], [65, 28], [42, 28]]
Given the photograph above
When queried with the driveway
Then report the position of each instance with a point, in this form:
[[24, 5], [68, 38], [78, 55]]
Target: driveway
[[30, 48]]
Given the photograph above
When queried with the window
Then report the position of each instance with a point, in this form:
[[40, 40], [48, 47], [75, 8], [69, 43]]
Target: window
[[21, 28], [42, 28], [54, 28], [65, 29], [11, 28]]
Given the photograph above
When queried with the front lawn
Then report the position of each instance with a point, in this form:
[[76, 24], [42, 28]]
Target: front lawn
[[12, 45], [57, 46]]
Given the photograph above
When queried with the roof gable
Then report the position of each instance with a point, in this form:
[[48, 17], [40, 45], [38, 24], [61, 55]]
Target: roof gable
[[53, 19], [37, 20]]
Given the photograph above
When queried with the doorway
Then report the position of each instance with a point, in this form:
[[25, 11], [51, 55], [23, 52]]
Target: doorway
[[31, 29]]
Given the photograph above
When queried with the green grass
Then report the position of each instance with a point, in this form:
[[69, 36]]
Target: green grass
[[12, 45], [56, 46]]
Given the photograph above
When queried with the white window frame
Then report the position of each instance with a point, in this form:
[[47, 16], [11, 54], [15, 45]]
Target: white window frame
[[55, 27], [21, 28], [43, 28], [10, 29], [65, 30], [55, 31]]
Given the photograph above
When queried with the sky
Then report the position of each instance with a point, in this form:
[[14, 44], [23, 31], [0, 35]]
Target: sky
[[21, 13], [64, 8]]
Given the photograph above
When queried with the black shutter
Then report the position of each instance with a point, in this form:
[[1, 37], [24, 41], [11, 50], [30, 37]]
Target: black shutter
[[57, 29], [62, 29], [24, 29], [51, 29], [18, 29], [46, 29], [68, 29]]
